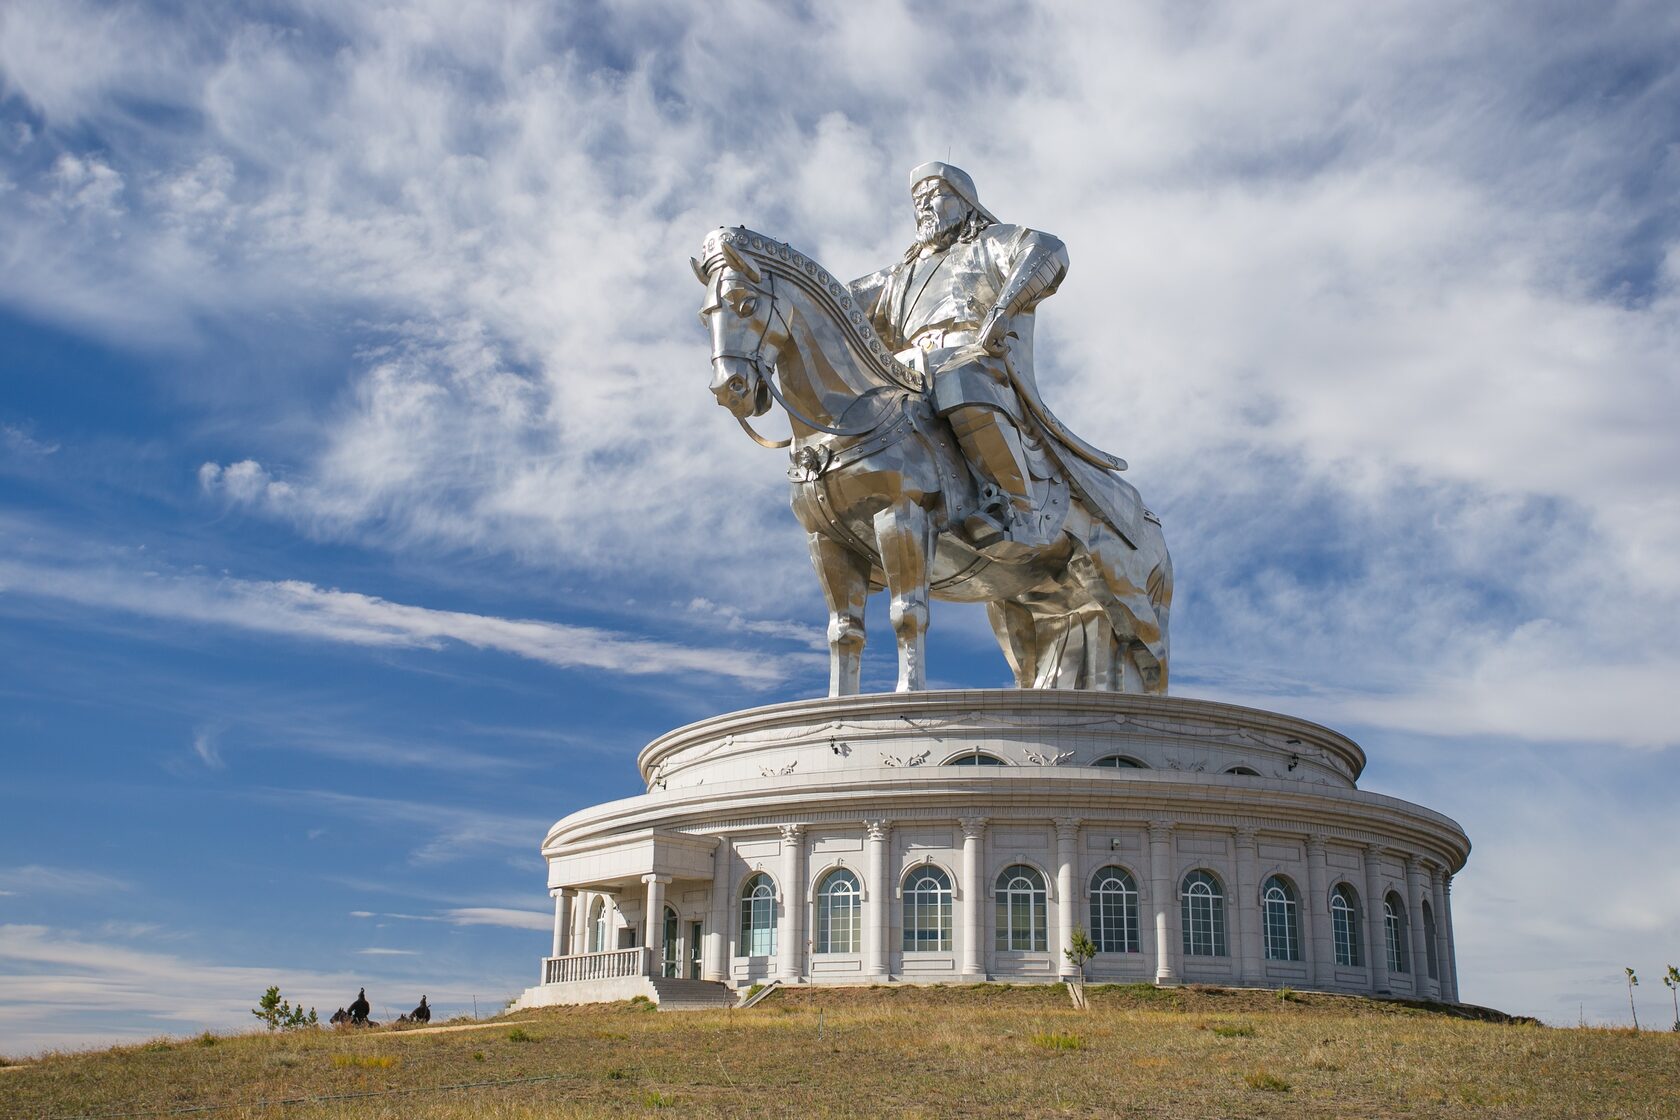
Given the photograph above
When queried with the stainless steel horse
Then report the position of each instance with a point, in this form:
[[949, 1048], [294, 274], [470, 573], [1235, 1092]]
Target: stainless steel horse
[[882, 491]]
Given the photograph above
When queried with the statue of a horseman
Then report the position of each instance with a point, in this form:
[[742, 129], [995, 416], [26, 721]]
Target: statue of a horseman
[[923, 460]]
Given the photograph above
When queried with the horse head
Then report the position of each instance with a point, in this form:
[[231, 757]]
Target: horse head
[[740, 311]]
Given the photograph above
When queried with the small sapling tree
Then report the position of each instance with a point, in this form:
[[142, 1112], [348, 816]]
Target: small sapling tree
[[1079, 951], [1672, 982], [280, 1015], [1633, 982]]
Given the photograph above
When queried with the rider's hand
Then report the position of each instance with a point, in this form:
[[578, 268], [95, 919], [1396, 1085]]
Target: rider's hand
[[993, 332]]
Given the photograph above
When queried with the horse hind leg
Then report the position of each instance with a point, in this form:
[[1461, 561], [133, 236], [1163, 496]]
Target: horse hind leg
[[844, 576]]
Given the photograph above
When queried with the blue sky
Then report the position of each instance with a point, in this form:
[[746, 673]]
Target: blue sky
[[363, 509]]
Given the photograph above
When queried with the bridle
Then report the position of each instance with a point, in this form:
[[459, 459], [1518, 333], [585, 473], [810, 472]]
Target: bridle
[[767, 378]]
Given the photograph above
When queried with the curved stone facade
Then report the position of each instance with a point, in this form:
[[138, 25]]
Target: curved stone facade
[[1127, 816]]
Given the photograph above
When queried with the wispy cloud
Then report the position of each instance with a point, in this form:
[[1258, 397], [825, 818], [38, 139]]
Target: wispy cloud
[[444, 832], [303, 610], [63, 990], [499, 916], [37, 879], [388, 952]]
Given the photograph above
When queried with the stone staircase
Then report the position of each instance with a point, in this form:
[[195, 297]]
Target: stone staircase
[[690, 995]]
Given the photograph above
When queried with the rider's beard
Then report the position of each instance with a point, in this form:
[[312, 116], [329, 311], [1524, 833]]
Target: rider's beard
[[934, 232]]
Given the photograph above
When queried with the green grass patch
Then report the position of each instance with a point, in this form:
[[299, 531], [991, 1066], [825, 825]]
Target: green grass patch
[[365, 1061], [1058, 1040], [520, 1034], [1266, 1082]]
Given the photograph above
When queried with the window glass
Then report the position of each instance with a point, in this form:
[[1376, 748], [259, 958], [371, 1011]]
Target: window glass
[[1344, 926], [1022, 910], [978, 759], [1394, 927], [1120, 762], [1202, 911], [1281, 933], [1114, 911], [758, 917], [839, 914], [927, 910]]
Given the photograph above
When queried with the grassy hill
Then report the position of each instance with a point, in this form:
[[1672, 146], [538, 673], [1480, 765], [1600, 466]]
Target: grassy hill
[[896, 1052]]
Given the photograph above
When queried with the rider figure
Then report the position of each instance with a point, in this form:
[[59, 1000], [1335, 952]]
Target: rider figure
[[960, 305]]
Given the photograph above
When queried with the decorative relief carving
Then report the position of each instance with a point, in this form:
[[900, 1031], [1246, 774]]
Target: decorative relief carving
[[1054, 759], [773, 772], [909, 760]]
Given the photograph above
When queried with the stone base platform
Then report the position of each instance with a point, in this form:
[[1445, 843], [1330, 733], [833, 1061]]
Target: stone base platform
[[965, 835]]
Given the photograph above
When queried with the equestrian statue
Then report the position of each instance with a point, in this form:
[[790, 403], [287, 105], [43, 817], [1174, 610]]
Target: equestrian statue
[[922, 458]]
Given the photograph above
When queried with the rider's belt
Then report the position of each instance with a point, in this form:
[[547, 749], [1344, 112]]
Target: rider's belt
[[938, 338]]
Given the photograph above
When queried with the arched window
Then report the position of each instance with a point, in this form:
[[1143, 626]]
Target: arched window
[[1244, 771], [839, 917], [1022, 910], [1120, 762], [975, 758], [1394, 927], [1280, 928], [1114, 911], [1344, 925], [1429, 941], [927, 910], [599, 924], [1202, 908], [758, 917], [672, 961]]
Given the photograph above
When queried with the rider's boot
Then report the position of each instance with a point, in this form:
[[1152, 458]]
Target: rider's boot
[[993, 447]]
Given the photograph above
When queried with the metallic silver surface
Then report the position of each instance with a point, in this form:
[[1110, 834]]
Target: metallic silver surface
[[923, 459]]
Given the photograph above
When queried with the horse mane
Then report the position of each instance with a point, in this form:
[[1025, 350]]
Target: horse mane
[[810, 277]]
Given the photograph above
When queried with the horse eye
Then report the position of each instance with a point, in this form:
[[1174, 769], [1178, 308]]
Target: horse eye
[[746, 307]]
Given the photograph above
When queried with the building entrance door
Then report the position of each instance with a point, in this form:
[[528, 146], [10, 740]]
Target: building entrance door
[[672, 949], [694, 935]]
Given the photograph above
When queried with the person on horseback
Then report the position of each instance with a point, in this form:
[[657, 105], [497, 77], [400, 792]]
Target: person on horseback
[[959, 307]]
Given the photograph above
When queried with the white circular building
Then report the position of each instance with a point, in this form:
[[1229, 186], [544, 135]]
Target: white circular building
[[963, 836]]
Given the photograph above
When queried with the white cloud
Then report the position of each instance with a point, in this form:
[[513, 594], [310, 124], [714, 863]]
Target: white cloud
[[36, 879], [500, 916], [56, 979], [204, 746], [303, 610], [388, 952]]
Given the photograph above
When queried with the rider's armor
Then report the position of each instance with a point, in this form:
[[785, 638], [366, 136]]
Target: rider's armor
[[934, 308]]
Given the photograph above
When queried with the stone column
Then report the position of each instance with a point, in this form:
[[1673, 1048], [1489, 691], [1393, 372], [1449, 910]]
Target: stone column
[[791, 942], [1376, 936], [653, 918], [1251, 968], [1167, 948], [973, 895], [1316, 927], [1450, 965], [1067, 855], [1414, 918], [714, 961], [562, 921], [1444, 984], [877, 921]]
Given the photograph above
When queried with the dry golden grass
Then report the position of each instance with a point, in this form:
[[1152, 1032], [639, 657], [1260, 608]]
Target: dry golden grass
[[897, 1052]]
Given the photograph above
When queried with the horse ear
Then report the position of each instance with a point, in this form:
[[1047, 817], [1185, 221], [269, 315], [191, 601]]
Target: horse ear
[[699, 271], [741, 264]]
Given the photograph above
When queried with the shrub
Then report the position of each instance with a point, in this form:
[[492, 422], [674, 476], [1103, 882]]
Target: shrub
[[1232, 1030], [1288, 995], [1266, 1082], [207, 1039], [659, 1100], [280, 1015], [519, 1034]]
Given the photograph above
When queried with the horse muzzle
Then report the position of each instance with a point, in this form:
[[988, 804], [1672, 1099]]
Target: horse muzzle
[[740, 387]]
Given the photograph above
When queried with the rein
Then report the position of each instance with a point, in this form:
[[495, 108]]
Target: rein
[[769, 379]]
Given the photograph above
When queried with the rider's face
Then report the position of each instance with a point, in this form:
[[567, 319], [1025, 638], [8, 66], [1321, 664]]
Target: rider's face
[[938, 209]]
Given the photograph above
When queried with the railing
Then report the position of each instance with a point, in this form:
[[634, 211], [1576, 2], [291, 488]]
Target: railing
[[597, 966]]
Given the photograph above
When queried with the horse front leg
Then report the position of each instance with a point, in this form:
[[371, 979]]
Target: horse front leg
[[844, 576], [903, 533]]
